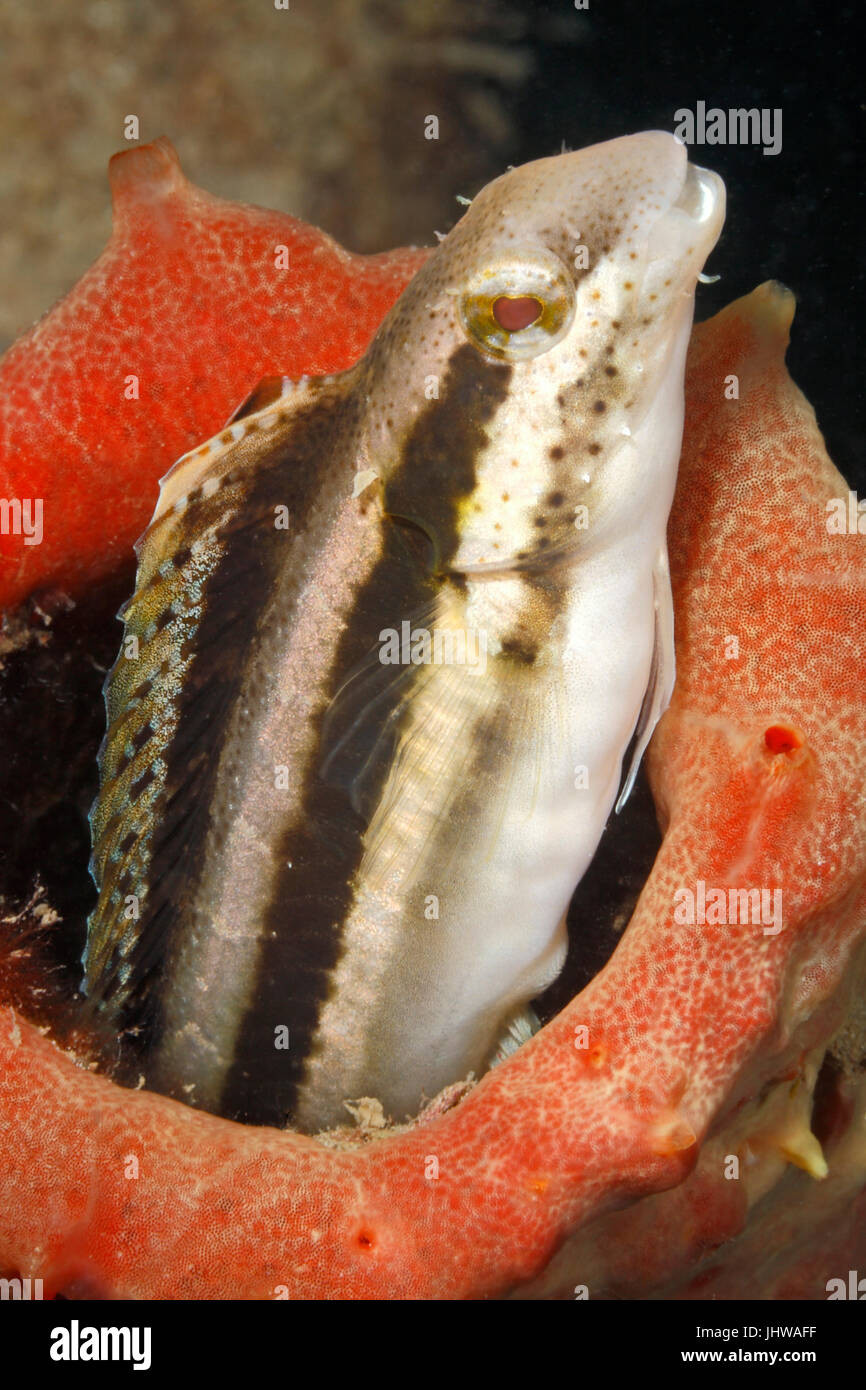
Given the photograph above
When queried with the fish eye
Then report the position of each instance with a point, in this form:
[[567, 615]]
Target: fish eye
[[518, 308], [518, 312]]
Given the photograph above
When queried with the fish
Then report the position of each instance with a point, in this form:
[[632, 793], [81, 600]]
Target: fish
[[392, 636]]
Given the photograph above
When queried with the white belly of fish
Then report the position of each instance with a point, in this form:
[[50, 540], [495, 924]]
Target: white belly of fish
[[472, 859]]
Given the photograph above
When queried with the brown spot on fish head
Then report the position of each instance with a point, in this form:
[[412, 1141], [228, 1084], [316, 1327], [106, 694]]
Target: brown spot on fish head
[[520, 648]]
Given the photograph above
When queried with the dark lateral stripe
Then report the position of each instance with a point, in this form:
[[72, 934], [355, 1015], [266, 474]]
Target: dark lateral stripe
[[302, 936], [164, 872], [438, 468]]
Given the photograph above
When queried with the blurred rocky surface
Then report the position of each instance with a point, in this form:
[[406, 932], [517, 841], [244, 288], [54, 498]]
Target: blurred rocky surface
[[318, 109]]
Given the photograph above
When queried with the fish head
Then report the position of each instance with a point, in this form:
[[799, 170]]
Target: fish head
[[509, 385]]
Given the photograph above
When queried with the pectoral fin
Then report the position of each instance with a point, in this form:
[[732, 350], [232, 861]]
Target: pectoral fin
[[519, 1028], [662, 672]]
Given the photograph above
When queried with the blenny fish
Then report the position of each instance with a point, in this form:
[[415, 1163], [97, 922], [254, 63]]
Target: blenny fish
[[392, 634]]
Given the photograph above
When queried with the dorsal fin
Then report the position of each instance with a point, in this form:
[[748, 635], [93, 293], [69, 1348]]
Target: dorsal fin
[[237, 446], [268, 391]]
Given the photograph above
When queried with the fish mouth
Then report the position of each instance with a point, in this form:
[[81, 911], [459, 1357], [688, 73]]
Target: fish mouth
[[686, 232], [702, 197], [693, 222]]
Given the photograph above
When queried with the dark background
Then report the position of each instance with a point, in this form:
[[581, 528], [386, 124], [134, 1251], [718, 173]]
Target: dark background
[[795, 216]]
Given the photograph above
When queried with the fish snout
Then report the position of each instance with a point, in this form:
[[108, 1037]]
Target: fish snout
[[703, 197], [688, 231]]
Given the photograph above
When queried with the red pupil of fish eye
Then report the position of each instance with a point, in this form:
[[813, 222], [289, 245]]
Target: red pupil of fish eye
[[514, 314]]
